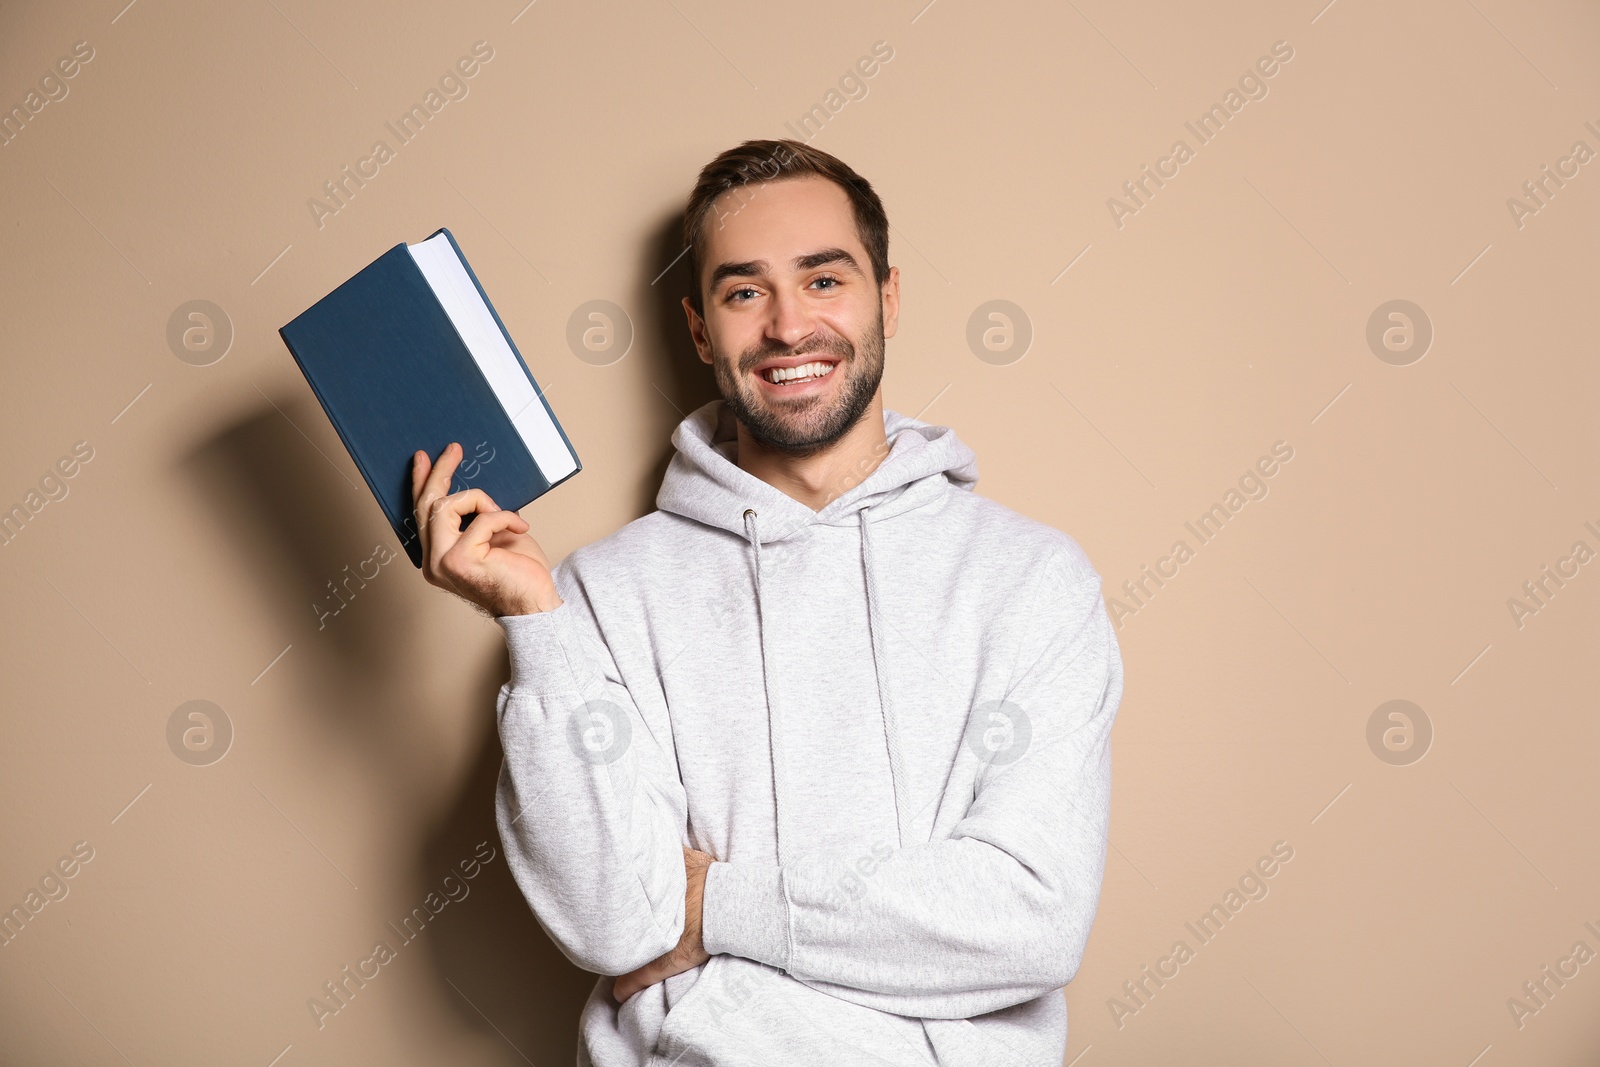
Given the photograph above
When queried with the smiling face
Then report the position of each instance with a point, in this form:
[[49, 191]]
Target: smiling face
[[794, 323]]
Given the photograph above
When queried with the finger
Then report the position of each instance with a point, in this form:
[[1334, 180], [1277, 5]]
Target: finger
[[478, 537], [420, 466], [422, 494], [444, 517], [449, 460], [437, 482], [510, 537], [633, 981]]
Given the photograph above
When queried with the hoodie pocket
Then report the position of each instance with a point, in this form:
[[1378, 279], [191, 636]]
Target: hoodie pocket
[[682, 1005], [687, 1026], [960, 1043], [743, 1012]]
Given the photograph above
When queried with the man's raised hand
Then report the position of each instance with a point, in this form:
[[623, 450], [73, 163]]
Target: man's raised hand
[[494, 563]]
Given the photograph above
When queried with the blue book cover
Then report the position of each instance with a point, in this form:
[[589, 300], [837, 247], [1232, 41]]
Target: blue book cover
[[410, 354]]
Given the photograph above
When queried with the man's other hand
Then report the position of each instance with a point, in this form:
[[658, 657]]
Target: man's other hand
[[690, 951], [494, 563]]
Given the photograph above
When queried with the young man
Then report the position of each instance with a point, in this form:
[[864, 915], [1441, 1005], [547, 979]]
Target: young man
[[816, 756]]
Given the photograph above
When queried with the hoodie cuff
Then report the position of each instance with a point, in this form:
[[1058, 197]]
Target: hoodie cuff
[[745, 913], [539, 663]]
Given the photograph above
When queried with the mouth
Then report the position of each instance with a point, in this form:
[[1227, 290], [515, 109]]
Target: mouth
[[795, 374]]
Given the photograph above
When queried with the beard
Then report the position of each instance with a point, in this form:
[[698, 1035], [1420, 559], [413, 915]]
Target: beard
[[814, 424]]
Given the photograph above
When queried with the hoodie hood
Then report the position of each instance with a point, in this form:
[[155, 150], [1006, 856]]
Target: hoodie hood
[[704, 483]]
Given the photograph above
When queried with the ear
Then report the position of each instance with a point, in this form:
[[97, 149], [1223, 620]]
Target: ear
[[697, 331], [891, 302]]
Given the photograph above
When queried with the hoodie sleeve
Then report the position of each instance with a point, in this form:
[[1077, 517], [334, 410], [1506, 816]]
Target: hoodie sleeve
[[589, 805], [998, 913]]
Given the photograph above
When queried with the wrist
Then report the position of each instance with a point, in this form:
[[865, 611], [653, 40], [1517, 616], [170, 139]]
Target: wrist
[[537, 604], [745, 912]]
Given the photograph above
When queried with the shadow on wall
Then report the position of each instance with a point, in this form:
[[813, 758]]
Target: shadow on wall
[[686, 380], [674, 366], [294, 517], [301, 523], [494, 962]]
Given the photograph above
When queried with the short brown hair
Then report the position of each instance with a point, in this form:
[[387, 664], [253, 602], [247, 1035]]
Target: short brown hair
[[764, 161]]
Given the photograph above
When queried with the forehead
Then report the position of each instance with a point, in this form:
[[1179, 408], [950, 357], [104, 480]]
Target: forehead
[[777, 221]]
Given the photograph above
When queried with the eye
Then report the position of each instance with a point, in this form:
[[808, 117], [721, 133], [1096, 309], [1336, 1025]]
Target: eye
[[733, 293], [827, 278]]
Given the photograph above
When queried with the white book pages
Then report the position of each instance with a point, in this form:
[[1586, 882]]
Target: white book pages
[[442, 267]]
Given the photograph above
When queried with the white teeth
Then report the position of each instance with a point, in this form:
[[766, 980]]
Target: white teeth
[[805, 370]]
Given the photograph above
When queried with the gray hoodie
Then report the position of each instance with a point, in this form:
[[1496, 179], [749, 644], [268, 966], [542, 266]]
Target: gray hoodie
[[888, 720]]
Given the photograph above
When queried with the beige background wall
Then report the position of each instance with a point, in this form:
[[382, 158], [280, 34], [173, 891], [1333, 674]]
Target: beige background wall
[[1168, 354]]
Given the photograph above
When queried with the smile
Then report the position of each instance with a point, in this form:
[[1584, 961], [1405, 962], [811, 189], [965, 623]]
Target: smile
[[806, 372]]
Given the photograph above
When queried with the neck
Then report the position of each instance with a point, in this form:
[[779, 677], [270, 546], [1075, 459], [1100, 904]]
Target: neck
[[817, 479]]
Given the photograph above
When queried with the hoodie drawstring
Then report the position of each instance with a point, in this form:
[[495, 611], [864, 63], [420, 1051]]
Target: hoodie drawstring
[[880, 672], [891, 736], [772, 732]]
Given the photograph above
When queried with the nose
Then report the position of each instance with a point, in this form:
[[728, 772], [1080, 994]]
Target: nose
[[791, 321]]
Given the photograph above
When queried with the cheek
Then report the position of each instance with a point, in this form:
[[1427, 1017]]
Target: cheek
[[731, 342], [855, 335]]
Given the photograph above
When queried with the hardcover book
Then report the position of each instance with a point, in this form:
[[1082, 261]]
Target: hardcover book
[[410, 354]]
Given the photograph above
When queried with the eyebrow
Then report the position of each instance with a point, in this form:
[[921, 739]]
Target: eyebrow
[[754, 267]]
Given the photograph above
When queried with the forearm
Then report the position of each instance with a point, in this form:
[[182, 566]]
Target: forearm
[[592, 830], [949, 929]]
